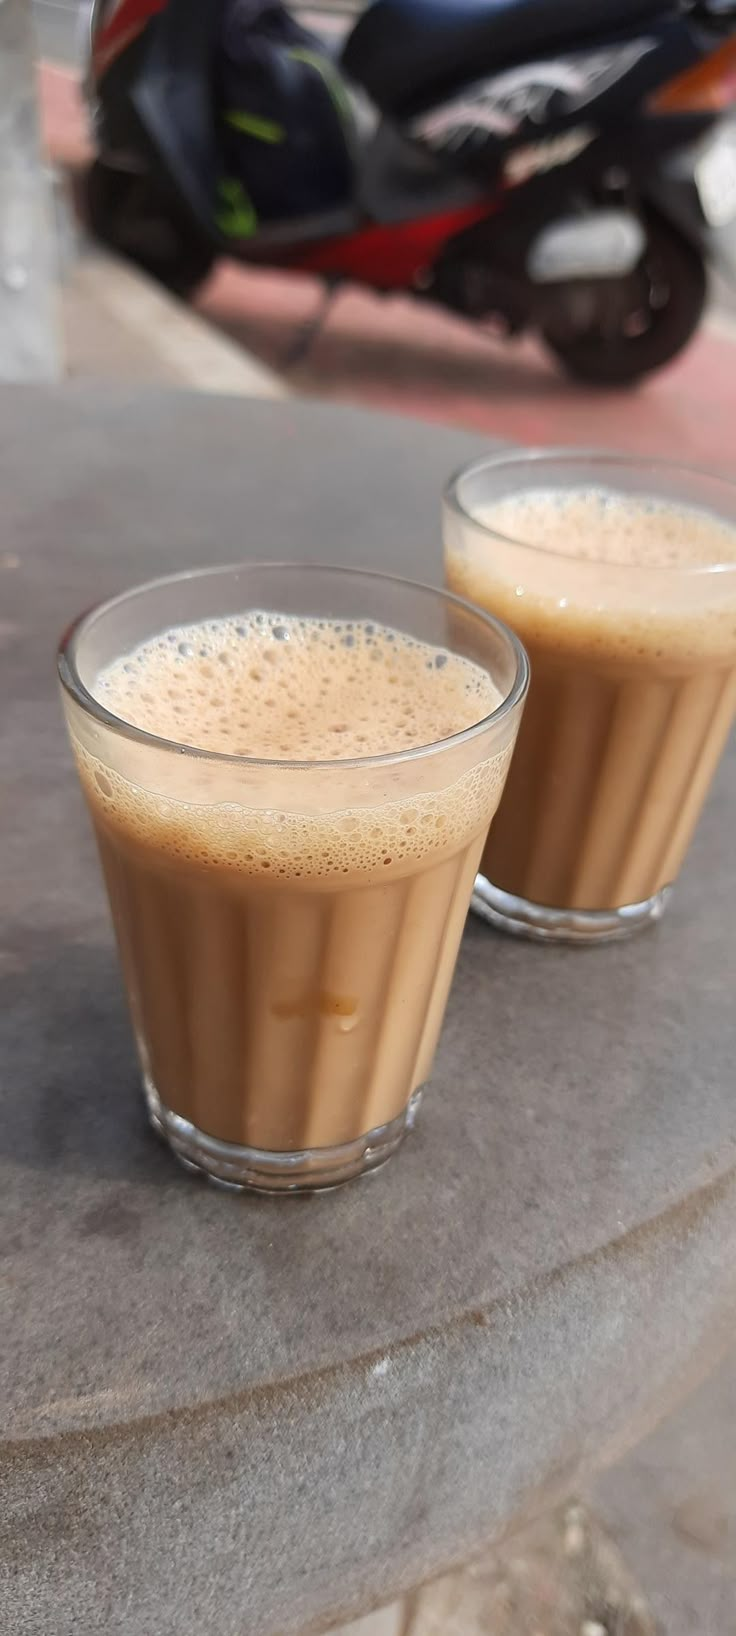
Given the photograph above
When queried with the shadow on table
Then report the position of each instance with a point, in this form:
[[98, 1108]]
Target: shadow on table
[[71, 1099]]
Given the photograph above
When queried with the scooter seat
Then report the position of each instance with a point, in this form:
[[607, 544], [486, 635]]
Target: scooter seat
[[407, 52]]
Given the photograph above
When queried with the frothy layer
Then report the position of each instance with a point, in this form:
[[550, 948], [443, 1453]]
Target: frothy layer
[[278, 688], [596, 525], [625, 579], [267, 687]]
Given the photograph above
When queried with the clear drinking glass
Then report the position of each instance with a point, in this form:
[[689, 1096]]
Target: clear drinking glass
[[287, 981], [619, 575]]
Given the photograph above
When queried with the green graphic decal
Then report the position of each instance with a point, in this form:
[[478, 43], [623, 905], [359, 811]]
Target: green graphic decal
[[265, 130], [332, 80], [235, 214]]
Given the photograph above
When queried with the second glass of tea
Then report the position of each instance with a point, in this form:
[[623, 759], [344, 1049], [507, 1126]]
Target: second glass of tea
[[619, 575]]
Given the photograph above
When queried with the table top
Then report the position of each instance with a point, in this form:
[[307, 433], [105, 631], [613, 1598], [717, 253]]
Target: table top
[[256, 1414]]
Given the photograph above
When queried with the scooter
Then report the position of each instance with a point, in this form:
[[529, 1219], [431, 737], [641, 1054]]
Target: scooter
[[537, 165]]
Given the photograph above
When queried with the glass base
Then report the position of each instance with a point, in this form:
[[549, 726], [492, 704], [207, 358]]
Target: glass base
[[545, 925], [312, 1170]]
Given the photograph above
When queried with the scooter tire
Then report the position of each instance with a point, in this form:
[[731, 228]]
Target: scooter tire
[[601, 359], [124, 212]]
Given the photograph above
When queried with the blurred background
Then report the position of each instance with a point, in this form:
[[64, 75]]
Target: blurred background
[[396, 353]]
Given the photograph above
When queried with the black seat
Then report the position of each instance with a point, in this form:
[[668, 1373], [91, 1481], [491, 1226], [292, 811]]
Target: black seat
[[404, 52]]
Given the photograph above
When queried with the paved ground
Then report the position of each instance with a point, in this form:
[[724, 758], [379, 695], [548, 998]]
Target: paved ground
[[398, 355], [650, 1551], [671, 1507], [119, 326], [562, 1576]]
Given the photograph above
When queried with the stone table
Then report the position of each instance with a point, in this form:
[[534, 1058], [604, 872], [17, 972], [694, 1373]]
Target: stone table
[[234, 1416]]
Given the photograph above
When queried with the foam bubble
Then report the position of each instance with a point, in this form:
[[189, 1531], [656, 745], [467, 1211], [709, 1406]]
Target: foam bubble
[[269, 687], [598, 525], [277, 688], [572, 591]]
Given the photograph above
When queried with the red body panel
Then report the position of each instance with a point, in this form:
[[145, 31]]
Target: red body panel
[[124, 21], [388, 256]]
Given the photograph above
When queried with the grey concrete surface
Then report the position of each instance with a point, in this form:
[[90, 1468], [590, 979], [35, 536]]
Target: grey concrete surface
[[672, 1507], [228, 1415]]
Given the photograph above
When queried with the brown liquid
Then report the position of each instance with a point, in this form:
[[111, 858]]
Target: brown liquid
[[288, 936], [633, 688]]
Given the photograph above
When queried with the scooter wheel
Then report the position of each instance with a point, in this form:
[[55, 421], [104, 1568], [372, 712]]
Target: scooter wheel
[[652, 327], [126, 213]]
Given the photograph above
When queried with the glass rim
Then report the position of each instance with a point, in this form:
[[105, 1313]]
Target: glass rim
[[616, 460], [73, 685]]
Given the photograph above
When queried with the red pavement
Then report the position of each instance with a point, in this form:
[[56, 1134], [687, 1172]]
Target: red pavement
[[400, 355]]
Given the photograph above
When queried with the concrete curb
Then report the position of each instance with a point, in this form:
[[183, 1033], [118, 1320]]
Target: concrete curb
[[119, 323], [177, 345]]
